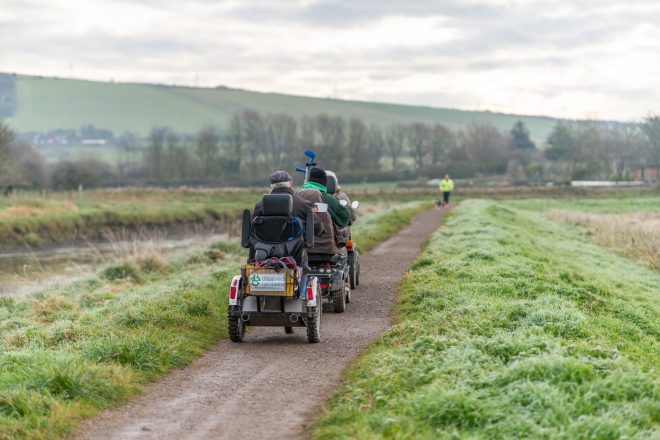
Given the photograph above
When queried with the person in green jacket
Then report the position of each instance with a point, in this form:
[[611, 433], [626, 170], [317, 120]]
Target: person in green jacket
[[446, 187], [341, 216]]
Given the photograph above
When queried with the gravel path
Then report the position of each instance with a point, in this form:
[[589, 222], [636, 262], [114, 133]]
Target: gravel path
[[272, 385]]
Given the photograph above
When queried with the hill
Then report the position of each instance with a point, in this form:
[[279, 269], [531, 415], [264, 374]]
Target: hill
[[31, 103]]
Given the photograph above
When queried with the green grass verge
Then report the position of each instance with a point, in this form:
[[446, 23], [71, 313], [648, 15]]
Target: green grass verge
[[369, 231], [88, 345], [510, 326], [91, 344]]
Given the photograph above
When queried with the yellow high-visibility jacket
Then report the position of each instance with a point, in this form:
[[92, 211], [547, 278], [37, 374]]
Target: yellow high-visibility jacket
[[446, 185]]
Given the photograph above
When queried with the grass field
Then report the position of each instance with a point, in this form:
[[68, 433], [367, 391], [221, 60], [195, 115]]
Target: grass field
[[38, 220], [50, 103], [513, 325], [70, 351]]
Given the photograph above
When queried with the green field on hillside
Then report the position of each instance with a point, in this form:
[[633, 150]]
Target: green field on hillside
[[513, 325], [50, 103]]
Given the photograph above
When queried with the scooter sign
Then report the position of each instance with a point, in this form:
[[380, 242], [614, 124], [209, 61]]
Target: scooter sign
[[267, 282]]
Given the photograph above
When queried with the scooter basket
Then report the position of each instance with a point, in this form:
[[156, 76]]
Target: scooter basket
[[266, 281]]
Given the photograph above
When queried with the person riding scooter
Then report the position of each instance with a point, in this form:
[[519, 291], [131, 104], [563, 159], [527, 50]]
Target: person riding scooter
[[342, 234], [341, 195], [315, 191], [281, 182], [328, 258]]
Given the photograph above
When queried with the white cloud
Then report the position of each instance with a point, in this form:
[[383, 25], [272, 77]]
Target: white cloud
[[567, 59]]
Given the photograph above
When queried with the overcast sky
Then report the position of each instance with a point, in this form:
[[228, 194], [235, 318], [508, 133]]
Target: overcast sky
[[577, 58]]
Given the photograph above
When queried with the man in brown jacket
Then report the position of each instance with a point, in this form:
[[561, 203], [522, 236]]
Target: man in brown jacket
[[315, 191], [281, 182]]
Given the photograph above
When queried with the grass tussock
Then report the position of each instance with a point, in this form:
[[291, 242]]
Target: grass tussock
[[510, 326], [636, 235], [68, 352]]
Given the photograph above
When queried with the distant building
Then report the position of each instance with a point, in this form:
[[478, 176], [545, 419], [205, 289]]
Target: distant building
[[94, 141], [647, 174], [604, 183]]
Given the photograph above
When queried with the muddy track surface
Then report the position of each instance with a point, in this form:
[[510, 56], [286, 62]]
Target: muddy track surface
[[272, 385]]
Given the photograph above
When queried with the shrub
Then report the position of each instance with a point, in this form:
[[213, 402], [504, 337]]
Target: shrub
[[122, 271]]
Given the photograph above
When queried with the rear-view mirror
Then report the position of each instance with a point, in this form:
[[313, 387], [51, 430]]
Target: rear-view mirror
[[355, 204]]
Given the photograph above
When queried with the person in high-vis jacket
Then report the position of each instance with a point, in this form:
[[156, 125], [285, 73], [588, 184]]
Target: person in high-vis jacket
[[446, 187]]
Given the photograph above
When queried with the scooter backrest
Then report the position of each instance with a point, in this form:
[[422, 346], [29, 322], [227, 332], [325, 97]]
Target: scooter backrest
[[246, 229], [275, 224], [277, 205], [331, 184], [309, 230]]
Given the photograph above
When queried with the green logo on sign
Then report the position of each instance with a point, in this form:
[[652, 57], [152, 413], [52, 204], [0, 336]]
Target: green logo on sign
[[255, 280]]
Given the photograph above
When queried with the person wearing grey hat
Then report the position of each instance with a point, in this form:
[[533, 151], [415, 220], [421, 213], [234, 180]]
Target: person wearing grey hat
[[281, 182], [280, 179]]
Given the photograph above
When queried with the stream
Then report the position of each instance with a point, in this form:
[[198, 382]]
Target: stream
[[24, 272]]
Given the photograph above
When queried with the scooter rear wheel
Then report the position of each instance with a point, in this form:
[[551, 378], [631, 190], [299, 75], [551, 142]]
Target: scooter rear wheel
[[352, 270], [339, 300], [236, 326], [314, 324]]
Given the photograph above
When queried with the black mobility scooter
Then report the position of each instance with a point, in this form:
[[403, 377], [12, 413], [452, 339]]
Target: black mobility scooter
[[274, 288], [332, 270], [346, 239]]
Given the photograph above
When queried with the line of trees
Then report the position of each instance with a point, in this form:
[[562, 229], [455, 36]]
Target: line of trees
[[253, 144], [605, 150]]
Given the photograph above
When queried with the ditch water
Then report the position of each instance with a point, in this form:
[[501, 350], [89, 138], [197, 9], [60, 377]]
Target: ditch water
[[26, 271]]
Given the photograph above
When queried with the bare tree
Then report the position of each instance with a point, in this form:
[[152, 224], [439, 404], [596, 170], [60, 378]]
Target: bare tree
[[280, 137], [6, 138], [376, 146], [419, 138], [332, 141], [236, 140], [255, 136], [153, 155], [207, 149], [396, 138], [358, 155], [28, 166], [651, 128], [620, 147], [442, 140], [485, 147]]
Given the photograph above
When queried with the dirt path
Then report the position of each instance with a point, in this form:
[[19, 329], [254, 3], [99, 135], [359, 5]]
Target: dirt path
[[272, 385]]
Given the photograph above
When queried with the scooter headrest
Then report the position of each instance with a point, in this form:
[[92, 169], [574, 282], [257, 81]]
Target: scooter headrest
[[277, 205], [331, 185]]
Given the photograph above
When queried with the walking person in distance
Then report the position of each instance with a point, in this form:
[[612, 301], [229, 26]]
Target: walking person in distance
[[446, 187]]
